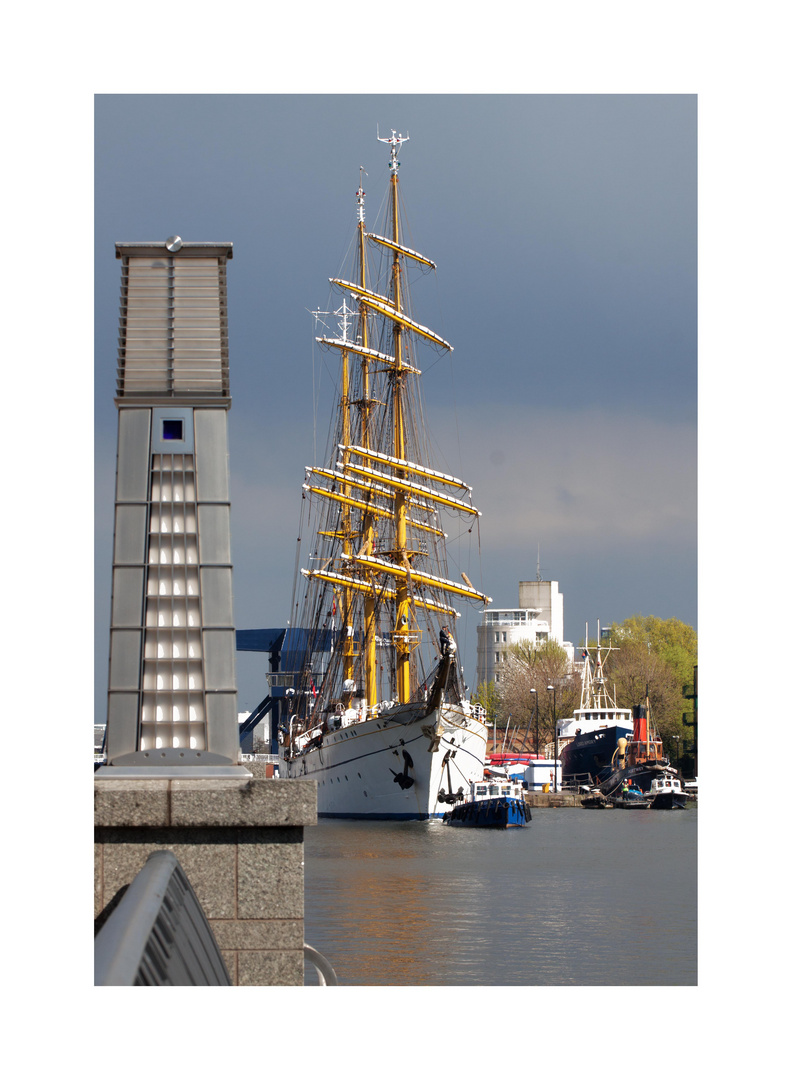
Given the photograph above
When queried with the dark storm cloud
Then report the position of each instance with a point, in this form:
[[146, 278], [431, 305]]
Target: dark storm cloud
[[564, 228]]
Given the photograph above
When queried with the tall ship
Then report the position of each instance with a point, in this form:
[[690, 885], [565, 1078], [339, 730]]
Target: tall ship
[[589, 740], [377, 711]]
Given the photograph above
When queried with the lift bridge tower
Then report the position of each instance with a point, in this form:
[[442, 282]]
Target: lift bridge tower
[[172, 680]]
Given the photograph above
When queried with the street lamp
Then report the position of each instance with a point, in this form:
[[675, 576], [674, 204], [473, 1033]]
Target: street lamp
[[536, 718], [555, 742]]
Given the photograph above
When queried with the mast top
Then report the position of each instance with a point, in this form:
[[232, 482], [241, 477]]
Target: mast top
[[361, 196], [394, 142]]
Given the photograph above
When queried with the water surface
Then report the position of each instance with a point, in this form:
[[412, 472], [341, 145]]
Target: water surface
[[577, 898]]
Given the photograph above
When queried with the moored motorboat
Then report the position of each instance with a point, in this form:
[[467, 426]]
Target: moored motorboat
[[630, 798], [491, 804], [593, 799], [667, 793], [627, 798]]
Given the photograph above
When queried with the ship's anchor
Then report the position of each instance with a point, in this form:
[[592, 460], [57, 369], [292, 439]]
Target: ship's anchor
[[451, 797], [403, 779]]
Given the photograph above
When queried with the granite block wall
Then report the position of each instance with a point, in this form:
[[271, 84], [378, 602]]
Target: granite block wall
[[240, 843]]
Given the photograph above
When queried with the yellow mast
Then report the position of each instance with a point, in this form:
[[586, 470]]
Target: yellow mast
[[385, 485], [401, 635], [369, 602], [346, 527]]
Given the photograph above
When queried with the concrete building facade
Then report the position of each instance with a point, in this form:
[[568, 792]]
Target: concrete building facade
[[538, 618]]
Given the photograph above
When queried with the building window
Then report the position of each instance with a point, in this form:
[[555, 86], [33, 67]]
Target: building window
[[173, 430]]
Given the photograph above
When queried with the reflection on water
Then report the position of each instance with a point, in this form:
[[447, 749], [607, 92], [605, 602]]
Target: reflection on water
[[578, 897]]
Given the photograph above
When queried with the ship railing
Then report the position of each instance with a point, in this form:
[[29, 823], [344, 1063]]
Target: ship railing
[[158, 935], [578, 780]]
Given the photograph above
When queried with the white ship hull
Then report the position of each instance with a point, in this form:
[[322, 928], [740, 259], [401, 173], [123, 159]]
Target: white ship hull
[[364, 770]]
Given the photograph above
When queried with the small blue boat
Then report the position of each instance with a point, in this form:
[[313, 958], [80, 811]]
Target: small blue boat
[[491, 804]]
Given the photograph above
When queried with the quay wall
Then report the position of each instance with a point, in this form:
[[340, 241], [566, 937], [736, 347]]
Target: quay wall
[[553, 798], [240, 843]]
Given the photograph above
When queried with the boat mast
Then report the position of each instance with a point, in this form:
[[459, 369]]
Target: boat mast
[[594, 689], [346, 517], [401, 634], [365, 405], [380, 481]]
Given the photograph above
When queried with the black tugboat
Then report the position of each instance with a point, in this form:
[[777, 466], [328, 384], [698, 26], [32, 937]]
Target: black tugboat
[[639, 775], [590, 738], [639, 760]]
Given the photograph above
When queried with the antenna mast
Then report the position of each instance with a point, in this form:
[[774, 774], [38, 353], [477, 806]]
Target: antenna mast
[[394, 142]]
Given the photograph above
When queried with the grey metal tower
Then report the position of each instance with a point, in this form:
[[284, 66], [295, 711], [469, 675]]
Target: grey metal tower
[[172, 679]]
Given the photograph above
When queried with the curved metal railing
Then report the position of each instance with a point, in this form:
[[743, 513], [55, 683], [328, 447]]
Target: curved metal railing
[[158, 935], [327, 977]]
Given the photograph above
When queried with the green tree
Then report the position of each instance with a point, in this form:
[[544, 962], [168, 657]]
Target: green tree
[[672, 640], [656, 657]]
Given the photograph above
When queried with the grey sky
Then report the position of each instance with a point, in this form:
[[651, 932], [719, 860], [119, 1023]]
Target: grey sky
[[564, 229]]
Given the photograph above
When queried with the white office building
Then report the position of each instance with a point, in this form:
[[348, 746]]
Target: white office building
[[538, 618]]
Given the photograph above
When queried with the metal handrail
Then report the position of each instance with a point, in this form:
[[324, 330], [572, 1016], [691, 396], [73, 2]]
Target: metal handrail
[[327, 977], [158, 935]]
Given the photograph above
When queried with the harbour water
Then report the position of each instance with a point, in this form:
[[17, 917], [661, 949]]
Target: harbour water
[[577, 898]]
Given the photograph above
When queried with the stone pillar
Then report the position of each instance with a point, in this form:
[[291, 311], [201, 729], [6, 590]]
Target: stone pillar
[[240, 843], [172, 676]]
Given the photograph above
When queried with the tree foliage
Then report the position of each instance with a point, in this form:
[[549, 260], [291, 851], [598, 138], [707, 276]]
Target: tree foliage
[[674, 641], [655, 657]]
